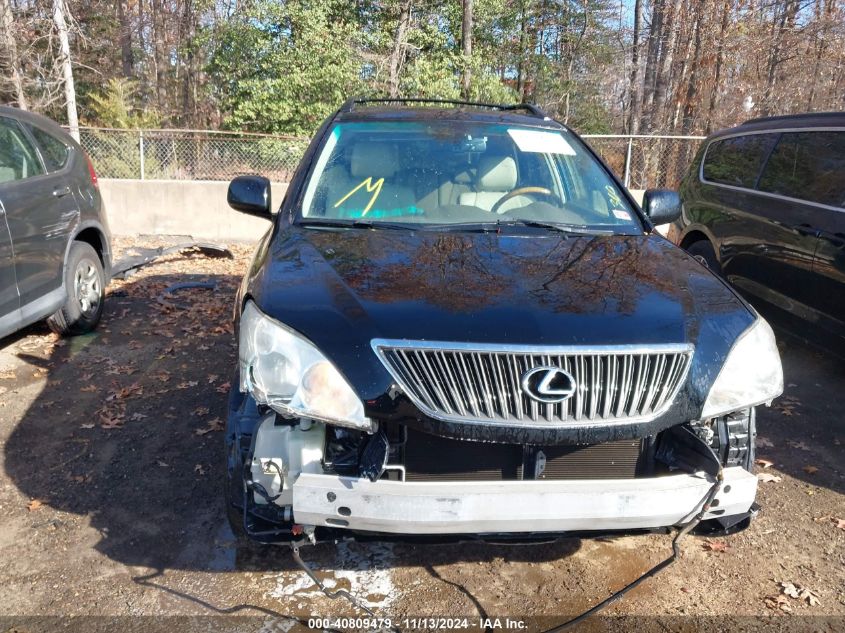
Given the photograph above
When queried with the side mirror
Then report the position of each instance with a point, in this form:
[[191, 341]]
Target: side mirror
[[662, 205], [251, 195]]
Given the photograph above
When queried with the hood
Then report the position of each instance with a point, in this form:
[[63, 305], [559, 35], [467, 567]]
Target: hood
[[343, 288]]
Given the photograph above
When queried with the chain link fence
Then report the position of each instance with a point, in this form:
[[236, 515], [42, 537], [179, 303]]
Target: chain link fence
[[642, 162], [190, 154], [647, 162]]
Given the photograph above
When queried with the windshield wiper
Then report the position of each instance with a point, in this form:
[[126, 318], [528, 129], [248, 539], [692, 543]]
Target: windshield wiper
[[356, 224], [572, 229]]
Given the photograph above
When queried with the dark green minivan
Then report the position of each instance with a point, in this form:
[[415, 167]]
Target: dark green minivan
[[764, 205]]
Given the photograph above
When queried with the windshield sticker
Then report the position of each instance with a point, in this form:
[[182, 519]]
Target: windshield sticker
[[613, 196], [621, 215], [539, 142], [370, 186]]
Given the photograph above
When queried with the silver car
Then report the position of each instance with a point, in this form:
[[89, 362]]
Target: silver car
[[54, 239]]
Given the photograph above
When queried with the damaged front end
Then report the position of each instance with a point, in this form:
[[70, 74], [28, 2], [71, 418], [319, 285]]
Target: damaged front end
[[293, 476], [307, 458]]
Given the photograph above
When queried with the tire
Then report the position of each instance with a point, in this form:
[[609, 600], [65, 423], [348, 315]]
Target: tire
[[86, 292], [702, 251]]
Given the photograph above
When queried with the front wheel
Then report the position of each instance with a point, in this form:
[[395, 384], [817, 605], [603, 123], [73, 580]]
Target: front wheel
[[704, 254], [85, 292]]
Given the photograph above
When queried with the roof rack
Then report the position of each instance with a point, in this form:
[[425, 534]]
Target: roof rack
[[788, 117], [528, 107]]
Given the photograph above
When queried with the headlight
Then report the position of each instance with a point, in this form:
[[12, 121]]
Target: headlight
[[751, 375], [286, 372]]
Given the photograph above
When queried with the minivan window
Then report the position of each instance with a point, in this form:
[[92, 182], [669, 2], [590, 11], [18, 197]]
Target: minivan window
[[53, 151], [809, 166], [18, 159], [737, 160]]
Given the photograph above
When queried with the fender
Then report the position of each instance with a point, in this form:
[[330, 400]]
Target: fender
[[105, 243]]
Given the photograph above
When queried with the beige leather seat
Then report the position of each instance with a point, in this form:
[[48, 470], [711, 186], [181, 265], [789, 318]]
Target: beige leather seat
[[496, 177], [371, 161]]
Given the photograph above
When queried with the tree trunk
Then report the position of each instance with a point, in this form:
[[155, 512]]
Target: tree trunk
[[466, 46], [664, 66], [717, 73], [654, 35], [692, 83], [59, 10], [7, 37], [126, 57], [521, 67], [397, 54], [634, 103]]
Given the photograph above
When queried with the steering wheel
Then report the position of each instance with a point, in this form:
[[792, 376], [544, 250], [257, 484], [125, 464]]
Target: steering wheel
[[522, 191]]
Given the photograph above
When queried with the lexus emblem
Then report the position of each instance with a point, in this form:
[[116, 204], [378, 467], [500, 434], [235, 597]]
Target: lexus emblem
[[548, 384]]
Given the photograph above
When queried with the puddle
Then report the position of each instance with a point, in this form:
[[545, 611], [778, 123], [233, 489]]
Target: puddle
[[363, 569]]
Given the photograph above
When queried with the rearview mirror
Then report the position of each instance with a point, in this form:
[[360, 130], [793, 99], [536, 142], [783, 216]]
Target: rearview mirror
[[251, 195], [662, 205]]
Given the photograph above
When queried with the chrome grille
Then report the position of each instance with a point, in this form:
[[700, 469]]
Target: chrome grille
[[482, 383]]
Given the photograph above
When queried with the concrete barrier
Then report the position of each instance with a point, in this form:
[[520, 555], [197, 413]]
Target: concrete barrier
[[179, 207], [188, 207]]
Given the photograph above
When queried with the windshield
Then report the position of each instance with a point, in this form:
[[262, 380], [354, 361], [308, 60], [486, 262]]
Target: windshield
[[450, 172]]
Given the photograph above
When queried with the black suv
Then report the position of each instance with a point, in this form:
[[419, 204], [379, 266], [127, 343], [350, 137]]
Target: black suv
[[764, 205], [460, 323]]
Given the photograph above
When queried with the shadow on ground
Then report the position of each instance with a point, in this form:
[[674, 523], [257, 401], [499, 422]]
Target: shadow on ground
[[128, 432]]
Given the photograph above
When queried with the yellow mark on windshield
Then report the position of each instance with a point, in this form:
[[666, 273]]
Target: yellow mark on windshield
[[370, 186], [613, 196]]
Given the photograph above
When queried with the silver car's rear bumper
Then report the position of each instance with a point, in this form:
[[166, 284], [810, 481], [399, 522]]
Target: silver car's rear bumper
[[513, 506]]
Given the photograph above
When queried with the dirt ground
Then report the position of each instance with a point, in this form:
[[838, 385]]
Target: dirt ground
[[111, 503]]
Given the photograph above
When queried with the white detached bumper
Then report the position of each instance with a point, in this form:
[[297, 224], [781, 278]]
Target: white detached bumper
[[513, 506]]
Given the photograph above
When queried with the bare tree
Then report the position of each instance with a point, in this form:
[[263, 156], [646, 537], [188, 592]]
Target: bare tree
[[397, 53], [466, 46], [59, 12], [7, 37]]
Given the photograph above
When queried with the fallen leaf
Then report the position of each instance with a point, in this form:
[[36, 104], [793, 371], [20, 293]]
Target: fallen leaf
[[199, 469], [810, 596], [810, 470], [778, 602], [223, 387], [33, 505], [87, 426], [163, 464], [137, 416], [201, 411], [213, 425], [763, 463], [89, 389], [768, 478], [716, 546], [799, 445], [789, 589], [840, 523], [763, 442]]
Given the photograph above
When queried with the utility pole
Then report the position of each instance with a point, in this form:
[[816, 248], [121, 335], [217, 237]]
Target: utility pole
[[59, 11]]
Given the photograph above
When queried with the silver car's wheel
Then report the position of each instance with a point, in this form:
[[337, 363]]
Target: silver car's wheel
[[87, 287]]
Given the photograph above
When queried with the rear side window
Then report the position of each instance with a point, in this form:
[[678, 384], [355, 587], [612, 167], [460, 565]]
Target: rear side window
[[18, 160], [809, 166], [54, 152], [737, 161]]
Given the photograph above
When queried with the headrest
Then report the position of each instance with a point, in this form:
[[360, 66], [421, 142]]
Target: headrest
[[496, 173], [379, 160]]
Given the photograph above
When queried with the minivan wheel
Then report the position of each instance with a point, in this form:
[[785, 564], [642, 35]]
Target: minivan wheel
[[85, 292], [702, 251]]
